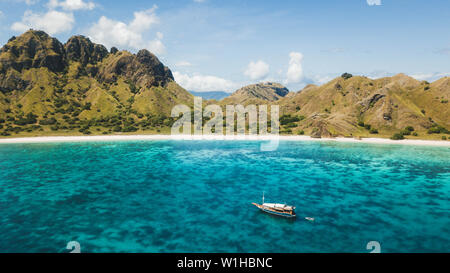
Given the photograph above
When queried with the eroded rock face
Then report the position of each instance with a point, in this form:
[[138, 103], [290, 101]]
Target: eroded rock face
[[143, 69], [114, 50], [33, 49], [320, 127], [150, 67], [315, 133], [11, 80], [81, 49], [36, 49], [268, 91], [279, 89]]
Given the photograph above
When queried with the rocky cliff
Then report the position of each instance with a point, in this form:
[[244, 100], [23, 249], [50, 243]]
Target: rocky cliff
[[360, 106], [255, 93], [50, 87]]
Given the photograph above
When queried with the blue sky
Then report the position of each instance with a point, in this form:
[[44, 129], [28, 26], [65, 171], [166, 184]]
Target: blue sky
[[222, 45]]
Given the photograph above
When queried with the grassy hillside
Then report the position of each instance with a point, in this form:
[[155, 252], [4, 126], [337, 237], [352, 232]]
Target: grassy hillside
[[50, 88], [362, 107], [256, 94], [355, 106], [47, 88]]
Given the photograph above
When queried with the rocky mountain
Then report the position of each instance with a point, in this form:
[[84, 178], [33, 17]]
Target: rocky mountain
[[257, 93], [359, 106], [356, 106], [50, 87]]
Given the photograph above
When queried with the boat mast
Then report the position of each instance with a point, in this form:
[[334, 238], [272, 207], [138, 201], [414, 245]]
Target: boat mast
[[263, 199]]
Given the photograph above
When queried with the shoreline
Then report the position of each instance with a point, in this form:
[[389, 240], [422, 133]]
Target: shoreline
[[53, 139]]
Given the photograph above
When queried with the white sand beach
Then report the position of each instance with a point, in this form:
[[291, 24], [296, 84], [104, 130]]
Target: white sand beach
[[51, 139]]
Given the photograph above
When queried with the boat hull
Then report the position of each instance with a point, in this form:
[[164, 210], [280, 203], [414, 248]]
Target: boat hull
[[278, 213]]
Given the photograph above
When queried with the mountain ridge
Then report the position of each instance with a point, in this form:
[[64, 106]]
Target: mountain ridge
[[253, 93], [382, 106], [50, 88]]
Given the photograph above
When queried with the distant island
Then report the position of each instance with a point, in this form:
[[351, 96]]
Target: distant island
[[81, 88]]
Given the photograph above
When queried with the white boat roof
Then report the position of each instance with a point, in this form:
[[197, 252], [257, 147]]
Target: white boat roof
[[278, 206]]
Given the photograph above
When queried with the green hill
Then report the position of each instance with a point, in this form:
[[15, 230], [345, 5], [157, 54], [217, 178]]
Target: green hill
[[362, 107], [257, 93], [355, 106], [47, 88], [50, 88]]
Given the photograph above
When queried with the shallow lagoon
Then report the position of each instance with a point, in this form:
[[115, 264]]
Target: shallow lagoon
[[195, 196]]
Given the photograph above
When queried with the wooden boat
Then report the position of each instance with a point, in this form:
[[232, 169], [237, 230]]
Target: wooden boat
[[276, 209]]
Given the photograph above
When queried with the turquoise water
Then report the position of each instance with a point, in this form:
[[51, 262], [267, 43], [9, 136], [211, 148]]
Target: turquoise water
[[193, 196]]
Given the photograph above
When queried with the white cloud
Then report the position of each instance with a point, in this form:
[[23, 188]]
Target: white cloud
[[199, 1], [321, 79], [202, 83], [52, 22], [374, 2], [295, 70], [110, 32], [156, 45], [1, 14], [71, 5], [183, 64], [430, 76], [421, 76], [257, 70]]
